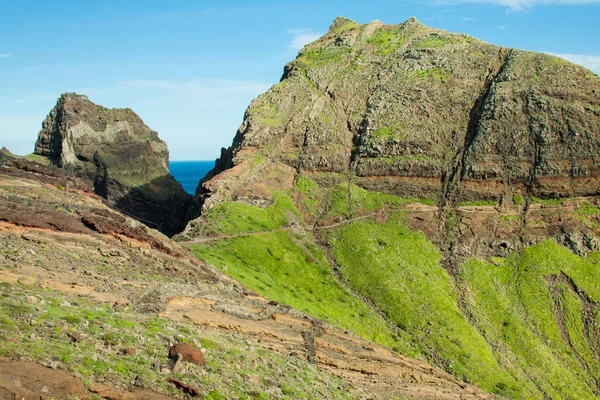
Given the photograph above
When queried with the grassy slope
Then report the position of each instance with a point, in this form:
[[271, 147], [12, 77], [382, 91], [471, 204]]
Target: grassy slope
[[495, 326], [514, 306], [407, 282], [289, 268], [106, 330]]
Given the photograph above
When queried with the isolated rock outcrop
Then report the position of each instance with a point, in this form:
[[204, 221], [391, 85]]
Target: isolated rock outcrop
[[125, 159], [418, 112]]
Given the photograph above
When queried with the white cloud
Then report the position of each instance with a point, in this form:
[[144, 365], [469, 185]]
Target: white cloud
[[502, 27], [590, 62], [6, 55], [518, 5], [302, 37], [469, 19]]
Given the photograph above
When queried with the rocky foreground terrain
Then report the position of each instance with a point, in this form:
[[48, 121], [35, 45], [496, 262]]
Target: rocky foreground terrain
[[91, 301]]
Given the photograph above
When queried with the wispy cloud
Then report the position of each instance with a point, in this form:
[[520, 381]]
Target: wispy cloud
[[469, 19], [590, 62], [302, 37], [502, 27], [517, 5], [6, 55]]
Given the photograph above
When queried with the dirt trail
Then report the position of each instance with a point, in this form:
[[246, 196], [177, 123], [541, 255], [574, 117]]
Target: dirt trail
[[410, 208]]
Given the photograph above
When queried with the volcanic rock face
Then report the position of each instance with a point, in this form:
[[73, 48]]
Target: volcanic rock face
[[125, 159], [418, 112]]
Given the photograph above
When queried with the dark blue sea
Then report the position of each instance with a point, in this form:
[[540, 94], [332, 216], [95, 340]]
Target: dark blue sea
[[189, 173]]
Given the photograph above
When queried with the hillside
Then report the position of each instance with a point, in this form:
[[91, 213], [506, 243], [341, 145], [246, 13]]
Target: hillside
[[428, 191], [91, 301]]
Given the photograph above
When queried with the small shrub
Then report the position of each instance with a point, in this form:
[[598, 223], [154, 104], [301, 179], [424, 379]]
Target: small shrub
[[518, 199]]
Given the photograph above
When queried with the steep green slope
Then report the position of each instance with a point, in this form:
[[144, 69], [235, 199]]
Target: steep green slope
[[540, 310], [290, 268], [523, 332], [523, 327]]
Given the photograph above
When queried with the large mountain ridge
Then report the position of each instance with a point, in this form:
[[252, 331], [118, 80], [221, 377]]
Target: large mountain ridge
[[408, 213], [442, 184]]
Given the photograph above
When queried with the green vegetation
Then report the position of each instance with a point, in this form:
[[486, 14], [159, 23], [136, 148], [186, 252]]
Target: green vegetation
[[509, 217], [548, 201], [346, 26], [534, 79], [294, 271], [557, 61], [586, 214], [403, 267], [38, 159], [310, 196], [479, 203], [433, 42], [390, 132], [259, 159], [530, 315], [518, 199], [268, 115], [514, 327], [435, 73], [322, 56], [408, 158], [232, 217], [386, 41], [348, 200]]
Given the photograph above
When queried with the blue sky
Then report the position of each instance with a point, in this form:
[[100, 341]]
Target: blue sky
[[190, 68]]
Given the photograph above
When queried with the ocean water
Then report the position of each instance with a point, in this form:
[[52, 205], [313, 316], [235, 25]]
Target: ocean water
[[189, 173]]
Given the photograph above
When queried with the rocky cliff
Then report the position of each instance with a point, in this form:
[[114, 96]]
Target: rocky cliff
[[126, 161], [419, 112], [428, 191]]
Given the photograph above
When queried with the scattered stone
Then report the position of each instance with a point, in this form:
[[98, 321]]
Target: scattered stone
[[105, 391], [130, 351], [138, 382], [31, 300], [255, 379], [185, 388], [74, 336], [176, 366], [188, 353]]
